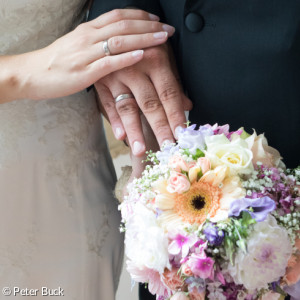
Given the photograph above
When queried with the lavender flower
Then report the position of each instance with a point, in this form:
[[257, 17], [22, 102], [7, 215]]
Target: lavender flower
[[258, 208], [166, 152], [189, 138], [213, 234]]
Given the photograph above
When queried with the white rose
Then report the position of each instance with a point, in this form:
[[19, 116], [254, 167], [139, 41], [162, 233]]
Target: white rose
[[235, 154], [146, 244], [268, 252]]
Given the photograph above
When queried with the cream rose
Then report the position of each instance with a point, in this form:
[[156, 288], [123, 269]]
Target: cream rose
[[262, 152], [235, 154]]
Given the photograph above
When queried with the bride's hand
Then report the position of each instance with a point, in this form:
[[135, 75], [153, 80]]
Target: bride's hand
[[77, 60]]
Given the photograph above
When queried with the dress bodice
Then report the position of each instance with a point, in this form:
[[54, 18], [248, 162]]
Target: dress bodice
[[27, 25]]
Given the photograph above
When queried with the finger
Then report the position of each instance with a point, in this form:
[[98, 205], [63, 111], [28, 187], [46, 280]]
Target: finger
[[120, 44], [109, 64], [129, 113], [107, 103], [186, 102], [122, 14], [129, 27], [126, 43], [152, 108], [170, 95]]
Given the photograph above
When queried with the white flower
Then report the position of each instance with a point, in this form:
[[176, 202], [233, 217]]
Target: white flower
[[215, 292], [269, 250], [234, 154], [146, 243]]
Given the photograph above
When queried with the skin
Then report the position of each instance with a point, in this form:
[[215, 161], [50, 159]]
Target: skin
[[157, 95], [77, 60]]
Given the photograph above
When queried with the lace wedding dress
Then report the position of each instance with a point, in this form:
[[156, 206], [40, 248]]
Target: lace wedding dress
[[59, 223]]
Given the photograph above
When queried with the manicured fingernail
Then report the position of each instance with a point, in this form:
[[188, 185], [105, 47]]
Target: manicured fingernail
[[137, 53], [118, 132], [169, 29], [153, 17], [178, 129], [160, 35], [137, 147]]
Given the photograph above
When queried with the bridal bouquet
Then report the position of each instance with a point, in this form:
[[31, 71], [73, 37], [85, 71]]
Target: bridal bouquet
[[215, 216]]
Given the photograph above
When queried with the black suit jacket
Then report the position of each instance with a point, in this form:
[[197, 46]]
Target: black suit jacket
[[239, 61]]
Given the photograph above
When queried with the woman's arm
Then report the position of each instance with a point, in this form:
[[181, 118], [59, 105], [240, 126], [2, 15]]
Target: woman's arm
[[77, 60]]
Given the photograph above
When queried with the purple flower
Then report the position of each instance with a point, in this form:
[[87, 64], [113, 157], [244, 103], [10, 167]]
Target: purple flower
[[181, 243], [167, 151], [258, 208], [189, 138], [201, 266], [213, 234]]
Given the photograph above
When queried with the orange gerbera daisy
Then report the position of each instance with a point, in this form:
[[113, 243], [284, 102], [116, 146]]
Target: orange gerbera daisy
[[210, 196]]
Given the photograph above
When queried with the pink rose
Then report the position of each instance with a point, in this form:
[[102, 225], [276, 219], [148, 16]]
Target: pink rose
[[180, 296], [195, 295], [172, 279], [293, 269], [178, 164], [186, 270], [204, 164], [178, 183], [262, 152]]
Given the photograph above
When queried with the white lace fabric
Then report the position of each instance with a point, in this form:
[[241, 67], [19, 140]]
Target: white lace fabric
[[59, 224]]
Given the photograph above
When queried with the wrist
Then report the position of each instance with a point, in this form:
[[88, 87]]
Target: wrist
[[16, 77]]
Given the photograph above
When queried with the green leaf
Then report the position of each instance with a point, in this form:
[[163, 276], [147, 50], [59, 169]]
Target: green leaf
[[198, 154]]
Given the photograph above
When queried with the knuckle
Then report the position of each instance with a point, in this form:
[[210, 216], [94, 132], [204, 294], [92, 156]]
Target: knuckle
[[161, 128], [105, 63], [169, 93], [130, 72], [176, 116], [150, 104], [155, 26], [117, 14], [124, 25], [127, 109], [116, 42], [109, 106], [75, 65], [155, 55]]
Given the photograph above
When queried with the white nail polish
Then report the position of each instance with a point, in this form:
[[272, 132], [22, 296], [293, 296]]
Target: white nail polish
[[153, 17], [178, 129], [169, 29], [160, 35], [137, 53], [137, 147], [119, 132]]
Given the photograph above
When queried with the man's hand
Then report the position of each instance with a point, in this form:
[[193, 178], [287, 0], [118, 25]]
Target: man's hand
[[157, 94]]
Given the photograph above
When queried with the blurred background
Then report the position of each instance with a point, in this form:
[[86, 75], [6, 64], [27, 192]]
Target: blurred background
[[120, 155]]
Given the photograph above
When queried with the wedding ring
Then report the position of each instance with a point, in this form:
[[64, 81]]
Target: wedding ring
[[123, 97], [105, 48]]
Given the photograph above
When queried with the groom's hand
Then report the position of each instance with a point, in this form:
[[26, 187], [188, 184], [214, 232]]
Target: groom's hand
[[157, 94]]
